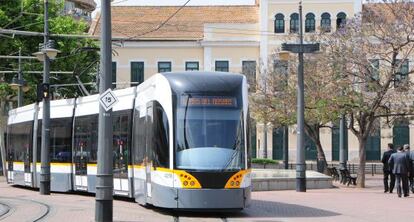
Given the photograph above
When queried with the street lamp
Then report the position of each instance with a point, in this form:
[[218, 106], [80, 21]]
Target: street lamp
[[46, 52], [16, 83], [20, 86], [46, 49], [300, 49]]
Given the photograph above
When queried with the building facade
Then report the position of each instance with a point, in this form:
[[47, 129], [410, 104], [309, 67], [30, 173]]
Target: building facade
[[234, 38], [80, 9]]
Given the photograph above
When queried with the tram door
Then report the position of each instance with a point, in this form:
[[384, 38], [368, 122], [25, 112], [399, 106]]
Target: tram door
[[85, 146], [148, 147], [27, 160], [10, 175], [121, 130], [81, 160]]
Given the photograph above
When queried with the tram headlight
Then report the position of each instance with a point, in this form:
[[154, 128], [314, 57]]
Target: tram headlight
[[235, 181], [187, 180]]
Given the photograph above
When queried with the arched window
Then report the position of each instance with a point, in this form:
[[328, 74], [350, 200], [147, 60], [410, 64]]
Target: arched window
[[310, 22], [294, 23], [340, 20], [326, 22], [279, 23]]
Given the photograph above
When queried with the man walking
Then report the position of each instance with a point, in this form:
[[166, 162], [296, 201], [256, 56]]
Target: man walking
[[399, 165], [410, 156], [387, 170]]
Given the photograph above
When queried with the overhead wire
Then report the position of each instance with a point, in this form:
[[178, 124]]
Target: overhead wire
[[162, 23]]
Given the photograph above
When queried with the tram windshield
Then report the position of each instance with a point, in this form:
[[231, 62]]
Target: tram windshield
[[209, 133]]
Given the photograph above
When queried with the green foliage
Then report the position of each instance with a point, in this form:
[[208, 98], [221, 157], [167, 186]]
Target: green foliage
[[264, 161], [5, 91], [30, 18]]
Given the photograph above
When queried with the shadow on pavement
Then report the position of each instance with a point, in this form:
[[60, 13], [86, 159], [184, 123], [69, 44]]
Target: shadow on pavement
[[258, 209]]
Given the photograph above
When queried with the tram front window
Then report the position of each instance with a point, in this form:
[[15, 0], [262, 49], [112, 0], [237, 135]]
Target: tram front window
[[209, 134]]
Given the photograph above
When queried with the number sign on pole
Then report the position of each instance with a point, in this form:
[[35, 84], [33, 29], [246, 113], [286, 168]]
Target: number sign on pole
[[108, 99]]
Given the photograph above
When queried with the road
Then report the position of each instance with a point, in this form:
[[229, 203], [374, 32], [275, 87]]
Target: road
[[337, 204]]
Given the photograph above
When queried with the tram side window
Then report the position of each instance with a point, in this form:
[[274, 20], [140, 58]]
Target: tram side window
[[160, 144], [86, 133], [139, 138], [61, 140], [121, 135], [20, 141]]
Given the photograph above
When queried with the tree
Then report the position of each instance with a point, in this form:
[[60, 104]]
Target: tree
[[27, 15], [370, 54], [275, 97]]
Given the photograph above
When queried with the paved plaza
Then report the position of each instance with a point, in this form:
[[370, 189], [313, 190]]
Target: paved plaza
[[337, 204]]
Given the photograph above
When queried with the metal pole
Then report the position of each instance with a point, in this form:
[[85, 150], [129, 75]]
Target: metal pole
[[265, 141], [342, 151], [300, 152], [45, 161], [19, 77], [285, 147], [104, 177]]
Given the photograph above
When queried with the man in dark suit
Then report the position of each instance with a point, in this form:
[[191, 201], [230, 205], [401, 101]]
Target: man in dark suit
[[410, 156], [399, 165], [387, 170]]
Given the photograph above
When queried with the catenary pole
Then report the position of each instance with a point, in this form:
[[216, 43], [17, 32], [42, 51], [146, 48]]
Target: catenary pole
[[285, 147], [342, 151], [45, 161], [104, 177], [300, 49], [300, 151], [19, 77]]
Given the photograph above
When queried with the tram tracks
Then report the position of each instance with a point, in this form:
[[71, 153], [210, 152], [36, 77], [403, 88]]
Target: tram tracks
[[5, 209], [176, 218], [16, 209]]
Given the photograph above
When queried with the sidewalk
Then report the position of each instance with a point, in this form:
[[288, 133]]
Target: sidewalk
[[337, 204]]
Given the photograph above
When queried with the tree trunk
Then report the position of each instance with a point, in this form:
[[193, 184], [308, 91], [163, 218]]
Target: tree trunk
[[362, 161], [322, 164], [313, 132]]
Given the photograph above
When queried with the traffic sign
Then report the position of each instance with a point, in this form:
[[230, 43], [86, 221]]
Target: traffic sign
[[108, 99]]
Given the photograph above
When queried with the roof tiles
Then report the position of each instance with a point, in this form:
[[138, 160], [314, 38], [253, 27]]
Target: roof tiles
[[144, 22]]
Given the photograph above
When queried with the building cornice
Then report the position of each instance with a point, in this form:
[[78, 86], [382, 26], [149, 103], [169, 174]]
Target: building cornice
[[231, 43], [187, 44], [310, 1]]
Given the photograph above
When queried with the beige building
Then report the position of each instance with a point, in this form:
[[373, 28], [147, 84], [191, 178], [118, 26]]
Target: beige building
[[231, 38]]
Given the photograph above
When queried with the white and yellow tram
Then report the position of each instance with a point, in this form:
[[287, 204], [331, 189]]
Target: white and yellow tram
[[179, 141]]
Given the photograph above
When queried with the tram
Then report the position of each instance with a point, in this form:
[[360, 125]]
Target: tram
[[179, 141]]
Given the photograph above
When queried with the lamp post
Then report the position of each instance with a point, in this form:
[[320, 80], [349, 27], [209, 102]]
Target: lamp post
[[18, 83], [300, 49], [284, 57], [104, 176], [46, 53], [342, 151]]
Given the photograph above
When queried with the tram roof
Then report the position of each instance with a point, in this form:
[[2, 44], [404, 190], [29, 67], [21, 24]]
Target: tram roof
[[185, 82]]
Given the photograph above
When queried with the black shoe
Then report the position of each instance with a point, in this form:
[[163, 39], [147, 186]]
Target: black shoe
[[399, 195], [391, 191], [406, 195], [385, 191]]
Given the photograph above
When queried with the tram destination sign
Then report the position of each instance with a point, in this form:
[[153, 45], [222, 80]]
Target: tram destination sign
[[108, 99], [210, 101]]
